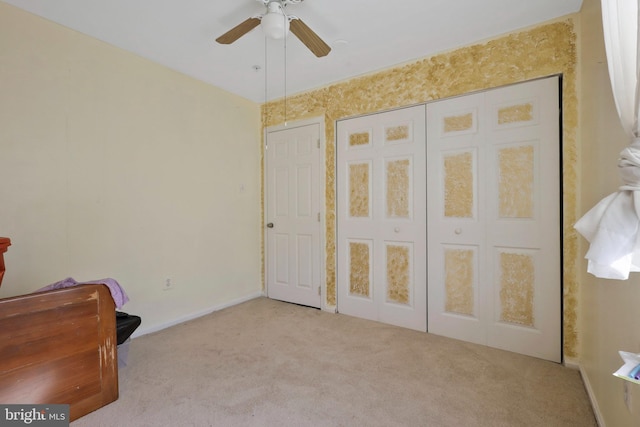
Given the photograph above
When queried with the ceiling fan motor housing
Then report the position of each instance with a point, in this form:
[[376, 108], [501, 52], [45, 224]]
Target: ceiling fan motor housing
[[275, 24]]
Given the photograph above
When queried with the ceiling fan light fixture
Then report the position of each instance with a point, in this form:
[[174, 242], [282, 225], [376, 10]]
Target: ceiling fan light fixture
[[275, 23]]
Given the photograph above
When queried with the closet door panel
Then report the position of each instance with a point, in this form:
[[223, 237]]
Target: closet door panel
[[381, 203]]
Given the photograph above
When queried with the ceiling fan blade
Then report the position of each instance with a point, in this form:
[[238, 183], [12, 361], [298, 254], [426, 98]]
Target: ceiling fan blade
[[238, 31], [309, 38]]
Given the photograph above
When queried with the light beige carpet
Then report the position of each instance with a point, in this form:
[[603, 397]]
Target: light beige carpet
[[269, 363]]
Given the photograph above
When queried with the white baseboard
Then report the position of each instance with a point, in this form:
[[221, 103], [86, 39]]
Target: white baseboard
[[330, 309], [571, 363], [592, 397], [144, 331]]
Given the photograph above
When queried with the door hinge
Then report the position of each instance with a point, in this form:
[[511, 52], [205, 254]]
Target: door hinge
[[318, 142], [319, 294], [318, 216]]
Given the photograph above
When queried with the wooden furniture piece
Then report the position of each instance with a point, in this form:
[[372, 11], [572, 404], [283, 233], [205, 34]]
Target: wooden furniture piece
[[59, 347], [4, 244]]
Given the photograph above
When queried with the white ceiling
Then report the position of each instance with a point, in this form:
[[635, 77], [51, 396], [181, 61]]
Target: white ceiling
[[365, 35]]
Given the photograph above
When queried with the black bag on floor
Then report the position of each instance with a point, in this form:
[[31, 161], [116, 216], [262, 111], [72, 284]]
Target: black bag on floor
[[126, 324]]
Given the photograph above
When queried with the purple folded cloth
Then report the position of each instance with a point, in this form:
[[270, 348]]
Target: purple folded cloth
[[120, 298]]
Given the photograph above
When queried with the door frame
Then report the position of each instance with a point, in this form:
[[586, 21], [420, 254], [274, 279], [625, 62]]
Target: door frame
[[322, 178]]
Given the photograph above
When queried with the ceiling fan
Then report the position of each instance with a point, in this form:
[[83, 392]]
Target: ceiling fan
[[276, 24]]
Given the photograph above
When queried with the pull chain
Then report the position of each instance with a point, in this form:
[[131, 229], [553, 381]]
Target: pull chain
[[285, 75], [265, 84]]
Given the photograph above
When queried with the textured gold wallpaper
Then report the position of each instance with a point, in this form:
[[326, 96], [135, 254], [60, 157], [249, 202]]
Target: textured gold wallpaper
[[517, 279], [535, 52], [458, 185], [515, 114], [360, 270], [515, 182], [459, 278], [361, 138], [397, 133], [398, 188], [458, 123], [398, 274], [359, 190]]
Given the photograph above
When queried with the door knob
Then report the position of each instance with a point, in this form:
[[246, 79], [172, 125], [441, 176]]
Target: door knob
[[270, 225]]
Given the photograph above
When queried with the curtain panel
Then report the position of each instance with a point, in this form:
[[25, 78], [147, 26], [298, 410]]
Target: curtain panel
[[612, 226]]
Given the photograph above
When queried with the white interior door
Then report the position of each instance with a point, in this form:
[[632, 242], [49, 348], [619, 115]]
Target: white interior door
[[494, 218], [293, 215], [381, 217]]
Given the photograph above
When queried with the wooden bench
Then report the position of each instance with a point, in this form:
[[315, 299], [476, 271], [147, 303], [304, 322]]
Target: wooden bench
[[5, 242], [59, 347]]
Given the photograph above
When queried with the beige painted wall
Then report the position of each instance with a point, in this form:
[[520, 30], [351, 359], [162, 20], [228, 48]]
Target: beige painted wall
[[609, 314], [113, 166], [536, 52]]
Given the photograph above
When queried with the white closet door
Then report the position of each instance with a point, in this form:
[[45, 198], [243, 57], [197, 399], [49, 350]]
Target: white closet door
[[381, 221], [494, 218], [456, 218]]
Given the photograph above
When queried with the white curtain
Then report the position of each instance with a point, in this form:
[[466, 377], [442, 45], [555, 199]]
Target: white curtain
[[612, 227]]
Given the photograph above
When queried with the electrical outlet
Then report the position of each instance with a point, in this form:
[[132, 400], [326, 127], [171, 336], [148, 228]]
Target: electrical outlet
[[168, 285], [627, 395]]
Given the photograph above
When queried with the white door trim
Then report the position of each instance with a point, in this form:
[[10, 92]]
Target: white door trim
[[321, 202]]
